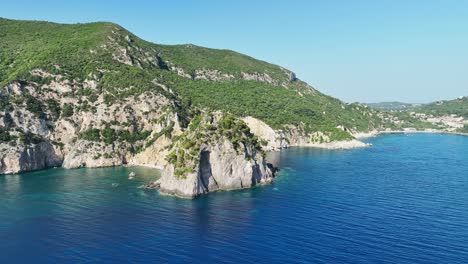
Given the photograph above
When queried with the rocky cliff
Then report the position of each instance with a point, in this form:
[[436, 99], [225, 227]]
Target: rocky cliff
[[219, 167]]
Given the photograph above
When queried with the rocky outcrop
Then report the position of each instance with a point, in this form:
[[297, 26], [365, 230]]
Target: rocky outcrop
[[212, 75], [180, 72], [220, 167], [93, 155], [346, 144], [14, 159], [122, 55], [260, 77], [291, 136], [216, 75], [275, 139], [292, 77], [153, 156]]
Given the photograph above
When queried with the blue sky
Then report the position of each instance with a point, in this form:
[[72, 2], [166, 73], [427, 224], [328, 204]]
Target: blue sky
[[368, 51]]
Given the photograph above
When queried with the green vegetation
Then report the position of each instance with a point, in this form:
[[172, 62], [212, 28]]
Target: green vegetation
[[35, 106], [127, 136], [67, 110], [5, 104], [109, 135], [53, 107], [237, 132], [44, 44], [92, 134], [26, 138], [5, 135], [276, 105], [30, 138], [77, 52], [191, 58]]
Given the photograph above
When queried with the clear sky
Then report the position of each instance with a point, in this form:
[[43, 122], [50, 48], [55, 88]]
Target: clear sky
[[367, 50]]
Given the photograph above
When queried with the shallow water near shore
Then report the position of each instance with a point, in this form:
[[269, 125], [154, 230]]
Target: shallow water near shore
[[403, 200]]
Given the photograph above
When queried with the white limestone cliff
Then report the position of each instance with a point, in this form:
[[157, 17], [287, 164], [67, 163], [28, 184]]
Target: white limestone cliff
[[220, 167]]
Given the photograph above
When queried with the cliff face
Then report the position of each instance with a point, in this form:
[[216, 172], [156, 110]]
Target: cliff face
[[14, 159]]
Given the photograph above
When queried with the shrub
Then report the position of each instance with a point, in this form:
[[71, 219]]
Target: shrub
[[53, 107], [91, 134], [35, 106], [67, 110]]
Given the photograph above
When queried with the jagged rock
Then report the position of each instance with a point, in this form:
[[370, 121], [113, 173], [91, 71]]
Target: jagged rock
[[292, 77], [180, 72], [260, 77], [13, 88], [212, 75], [122, 55]]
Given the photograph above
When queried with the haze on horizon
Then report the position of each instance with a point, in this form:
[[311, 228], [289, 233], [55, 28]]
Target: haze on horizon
[[366, 51]]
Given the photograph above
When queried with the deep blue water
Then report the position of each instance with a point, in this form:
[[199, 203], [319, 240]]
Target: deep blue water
[[404, 200]]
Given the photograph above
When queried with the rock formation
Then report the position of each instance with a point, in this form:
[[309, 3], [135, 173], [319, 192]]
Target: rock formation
[[220, 167]]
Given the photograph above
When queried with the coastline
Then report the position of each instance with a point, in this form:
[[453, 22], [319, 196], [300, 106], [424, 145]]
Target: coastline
[[336, 145], [377, 133], [357, 143]]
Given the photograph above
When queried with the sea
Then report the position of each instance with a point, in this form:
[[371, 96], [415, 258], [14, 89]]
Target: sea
[[402, 200]]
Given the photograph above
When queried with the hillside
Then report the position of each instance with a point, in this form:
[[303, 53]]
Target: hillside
[[457, 107], [97, 95]]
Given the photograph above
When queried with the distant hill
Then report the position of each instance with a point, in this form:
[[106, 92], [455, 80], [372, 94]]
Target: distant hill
[[392, 106], [457, 106]]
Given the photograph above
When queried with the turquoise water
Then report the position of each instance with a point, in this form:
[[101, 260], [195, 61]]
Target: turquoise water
[[404, 200]]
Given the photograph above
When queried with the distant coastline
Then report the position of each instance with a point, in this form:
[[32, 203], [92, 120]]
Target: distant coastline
[[431, 131], [357, 143]]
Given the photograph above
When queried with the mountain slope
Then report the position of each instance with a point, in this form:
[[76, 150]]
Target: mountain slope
[[97, 95]]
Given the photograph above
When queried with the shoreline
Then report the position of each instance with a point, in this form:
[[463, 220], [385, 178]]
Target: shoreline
[[336, 145], [378, 133], [357, 143]]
